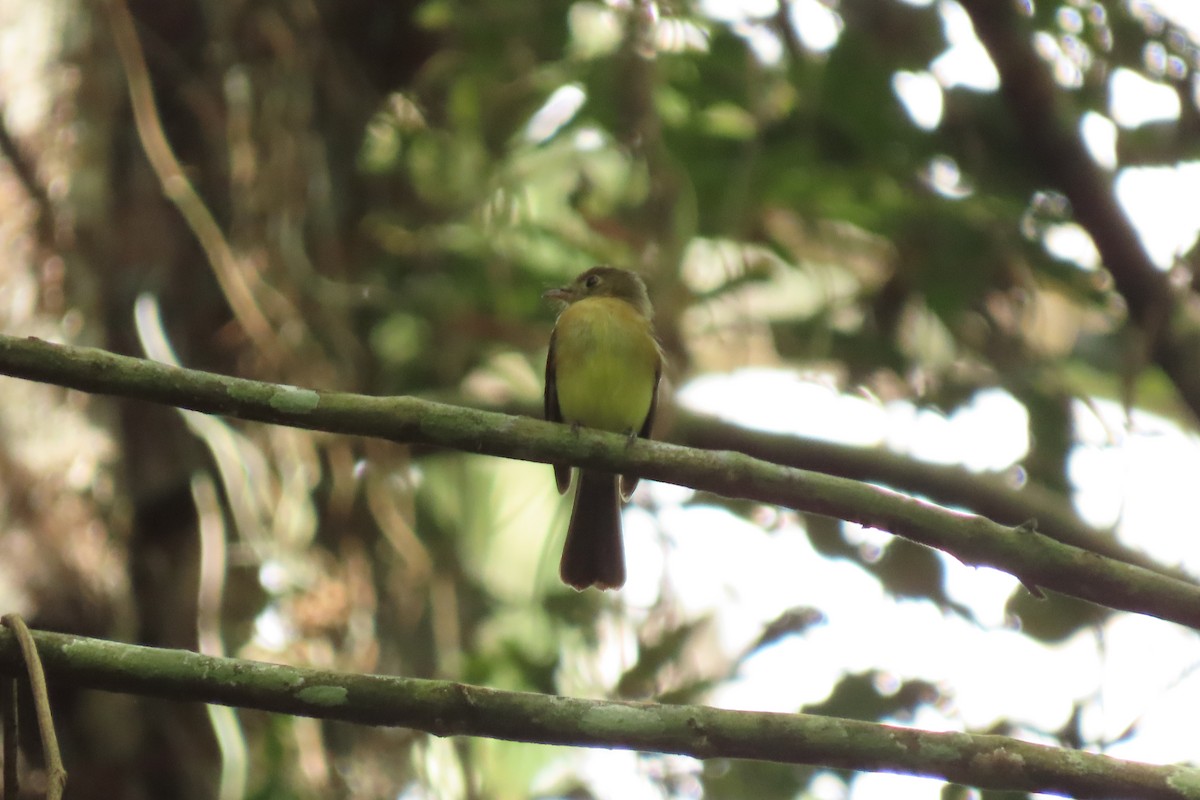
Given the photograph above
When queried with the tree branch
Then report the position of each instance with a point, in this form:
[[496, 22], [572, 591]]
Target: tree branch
[[1036, 559], [1172, 329], [27, 176], [987, 494], [443, 708], [56, 774]]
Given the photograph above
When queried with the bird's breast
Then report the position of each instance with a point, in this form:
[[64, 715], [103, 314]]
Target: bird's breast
[[606, 365]]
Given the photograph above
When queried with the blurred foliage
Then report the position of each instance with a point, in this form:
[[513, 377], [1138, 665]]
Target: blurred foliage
[[872, 695], [1054, 618], [400, 181], [730, 780]]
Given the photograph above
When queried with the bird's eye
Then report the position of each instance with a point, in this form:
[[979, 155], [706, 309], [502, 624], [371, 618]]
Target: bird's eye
[[591, 281]]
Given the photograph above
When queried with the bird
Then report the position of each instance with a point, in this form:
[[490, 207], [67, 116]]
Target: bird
[[602, 371]]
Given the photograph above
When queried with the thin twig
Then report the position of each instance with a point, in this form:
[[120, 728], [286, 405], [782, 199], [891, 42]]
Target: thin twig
[[781, 22], [29, 181], [230, 274], [210, 591], [56, 774], [8, 724]]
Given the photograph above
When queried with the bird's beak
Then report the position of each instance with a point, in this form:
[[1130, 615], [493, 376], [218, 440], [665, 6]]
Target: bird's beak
[[561, 294]]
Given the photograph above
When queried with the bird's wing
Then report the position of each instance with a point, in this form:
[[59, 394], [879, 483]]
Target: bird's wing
[[630, 482], [562, 472]]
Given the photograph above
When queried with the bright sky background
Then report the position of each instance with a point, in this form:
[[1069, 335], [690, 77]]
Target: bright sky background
[[1136, 474]]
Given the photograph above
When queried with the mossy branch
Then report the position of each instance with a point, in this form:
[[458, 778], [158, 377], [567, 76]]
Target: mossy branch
[[1038, 560], [988, 494], [444, 708]]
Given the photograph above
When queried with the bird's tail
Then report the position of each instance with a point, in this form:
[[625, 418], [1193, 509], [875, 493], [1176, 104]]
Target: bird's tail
[[593, 553]]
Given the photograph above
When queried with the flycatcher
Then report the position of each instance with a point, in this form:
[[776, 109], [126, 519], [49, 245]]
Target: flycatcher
[[602, 372]]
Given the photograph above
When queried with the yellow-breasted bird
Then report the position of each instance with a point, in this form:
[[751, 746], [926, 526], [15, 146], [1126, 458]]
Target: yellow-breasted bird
[[602, 372]]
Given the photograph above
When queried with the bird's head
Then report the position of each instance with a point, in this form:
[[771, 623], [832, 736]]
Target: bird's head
[[606, 282]]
